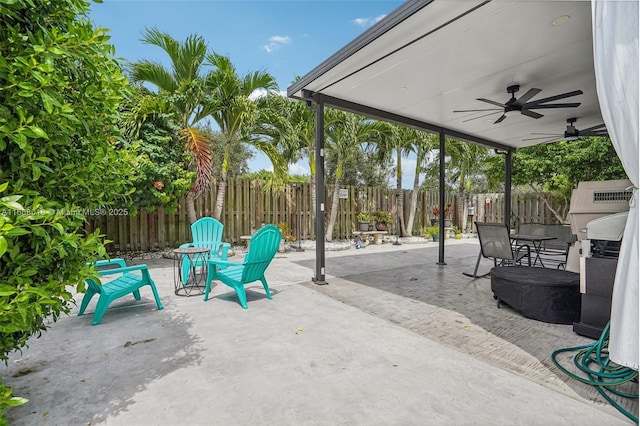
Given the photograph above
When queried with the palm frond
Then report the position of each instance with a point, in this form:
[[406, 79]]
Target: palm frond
[[139, 109], [280, 171], [196, 142], [154, 73], [191, 54], [162, 40], [259, 80], [221, 62]]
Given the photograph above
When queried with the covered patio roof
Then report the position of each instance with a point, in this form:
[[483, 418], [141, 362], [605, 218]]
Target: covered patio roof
[[430, 58]]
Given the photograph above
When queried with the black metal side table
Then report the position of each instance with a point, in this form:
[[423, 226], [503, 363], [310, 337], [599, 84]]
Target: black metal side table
[[196, 260]]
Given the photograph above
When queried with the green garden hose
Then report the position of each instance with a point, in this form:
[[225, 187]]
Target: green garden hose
[[593, 360]]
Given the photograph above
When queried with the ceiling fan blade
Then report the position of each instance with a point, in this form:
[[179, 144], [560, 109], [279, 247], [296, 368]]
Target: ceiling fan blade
[[479, 110], [546, 139], [594, 133], [598, 128], [547, 134], [531, 114], [502, 117], [481, 116], [530, 94], [491, 102], [549, 106], [557, 97]]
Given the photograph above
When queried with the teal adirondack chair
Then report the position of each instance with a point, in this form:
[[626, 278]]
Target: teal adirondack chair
[[205, 232], [128, 282], [262, 249]]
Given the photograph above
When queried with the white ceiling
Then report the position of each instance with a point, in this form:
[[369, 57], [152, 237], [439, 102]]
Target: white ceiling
[[443, 54]]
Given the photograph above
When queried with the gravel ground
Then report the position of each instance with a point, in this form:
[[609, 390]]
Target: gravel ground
[[306, 245]]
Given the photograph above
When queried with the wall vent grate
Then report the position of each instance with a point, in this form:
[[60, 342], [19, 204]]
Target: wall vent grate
[[612, 196]]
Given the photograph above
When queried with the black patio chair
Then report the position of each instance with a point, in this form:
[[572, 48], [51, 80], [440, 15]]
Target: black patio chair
[[495, 244], [555, 251]]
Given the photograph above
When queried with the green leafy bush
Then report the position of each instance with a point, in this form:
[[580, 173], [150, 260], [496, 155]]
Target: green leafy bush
[[364, 217], [161, 164], [60, 90], [381, 216], [430, 231], [287, 232]]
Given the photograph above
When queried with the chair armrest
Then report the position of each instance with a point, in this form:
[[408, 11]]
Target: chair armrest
[[186, 245], [106, 262], [224, 250], [224, 263], [518, 248], [124, 270]]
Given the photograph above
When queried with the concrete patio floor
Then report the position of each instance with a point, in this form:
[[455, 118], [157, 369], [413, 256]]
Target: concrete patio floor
[[393, 339]]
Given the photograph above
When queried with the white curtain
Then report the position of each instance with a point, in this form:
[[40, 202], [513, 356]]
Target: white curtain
[[615, 48]]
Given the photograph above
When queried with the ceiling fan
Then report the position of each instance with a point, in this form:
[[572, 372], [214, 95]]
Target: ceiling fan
[[523, 105], [572, 133]]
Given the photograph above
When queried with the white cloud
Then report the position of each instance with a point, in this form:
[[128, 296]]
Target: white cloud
[[361, 22], [259, 93], [298, 169], [276, 42], [367, 22]]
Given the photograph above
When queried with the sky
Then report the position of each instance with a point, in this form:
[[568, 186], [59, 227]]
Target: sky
[[284, 38]]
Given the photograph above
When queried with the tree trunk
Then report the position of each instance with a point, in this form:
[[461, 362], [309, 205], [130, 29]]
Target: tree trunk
[[334, 211], [190, 202], [403, 226], [414, 204], [460, 220], [222, 189], [400, 208], [399, 201], [546, 203]]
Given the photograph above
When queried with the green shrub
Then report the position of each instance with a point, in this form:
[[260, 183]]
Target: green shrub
[[381, 216], [287, 232], [430, 231], [7, 401], [364, 217], [60, 90], [161, 171]]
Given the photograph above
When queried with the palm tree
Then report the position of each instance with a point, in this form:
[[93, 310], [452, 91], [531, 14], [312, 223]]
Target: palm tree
[[236, 115], [185, 92], [466, 160], [421, 144], [275, 126], [277, 123], [292, 124], [346, 134], [395, 139]]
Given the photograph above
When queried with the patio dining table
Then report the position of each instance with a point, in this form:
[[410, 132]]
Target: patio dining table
[[535, 240]]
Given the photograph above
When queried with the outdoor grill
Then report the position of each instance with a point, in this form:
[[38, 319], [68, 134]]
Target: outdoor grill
[[598, 215], [591, 200]]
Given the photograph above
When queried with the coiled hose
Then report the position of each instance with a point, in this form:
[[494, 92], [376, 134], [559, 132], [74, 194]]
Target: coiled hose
[[600, 371]]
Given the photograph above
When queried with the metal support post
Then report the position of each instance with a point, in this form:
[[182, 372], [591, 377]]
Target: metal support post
[[441, 201], [320, 198]]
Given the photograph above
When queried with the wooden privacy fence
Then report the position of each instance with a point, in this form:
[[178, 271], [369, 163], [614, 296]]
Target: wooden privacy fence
[[248, 205], [526, 207]]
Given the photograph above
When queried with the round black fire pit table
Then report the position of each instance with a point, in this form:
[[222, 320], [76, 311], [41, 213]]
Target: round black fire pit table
[[548, 295]]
